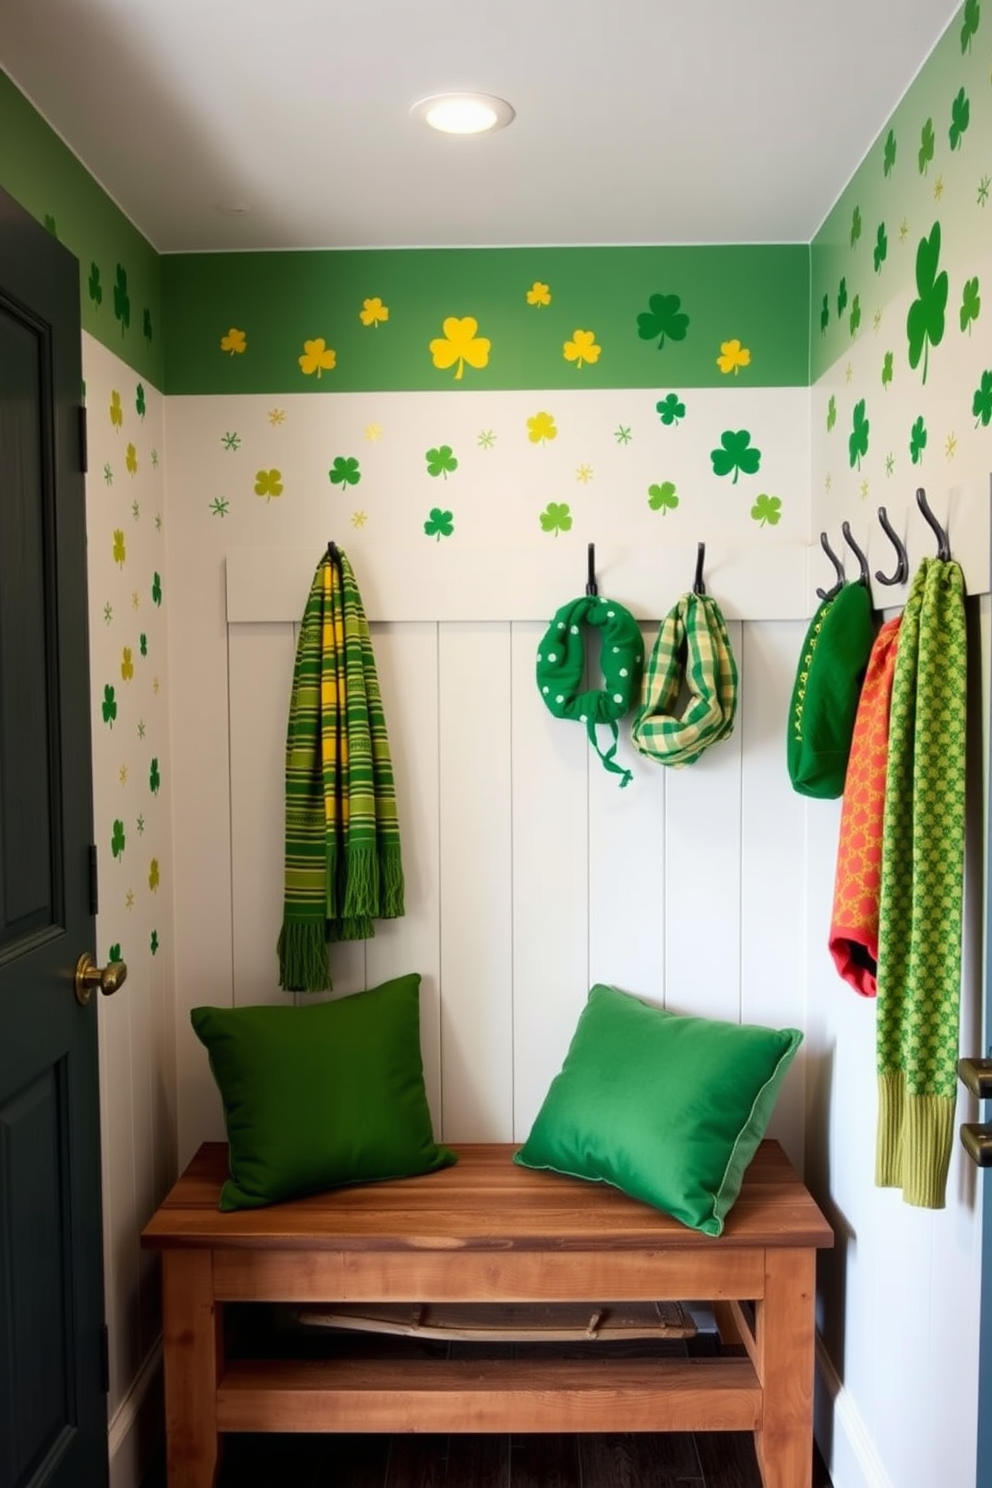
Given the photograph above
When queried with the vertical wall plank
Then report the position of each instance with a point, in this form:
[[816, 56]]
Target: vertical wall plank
[[703, 878], [260, 669], [551, 764], [773, 828], [627, 871], [475, 880], [407, 665]]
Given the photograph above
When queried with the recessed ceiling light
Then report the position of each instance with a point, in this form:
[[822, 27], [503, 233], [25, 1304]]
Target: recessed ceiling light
[[463, 113]]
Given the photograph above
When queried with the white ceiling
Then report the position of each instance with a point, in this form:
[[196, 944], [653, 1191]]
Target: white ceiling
[[638, 121]]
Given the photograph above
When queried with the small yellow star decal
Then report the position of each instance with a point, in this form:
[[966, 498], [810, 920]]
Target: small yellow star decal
[[359, 518], [373, 431], [864, 490], [155, 685], [876, 319], [938, 188], [135, 599], [951, 446], [828, 481], [277, 416], [903, 230], [129, 899], [584, 474], [848, 372], [122, 774]]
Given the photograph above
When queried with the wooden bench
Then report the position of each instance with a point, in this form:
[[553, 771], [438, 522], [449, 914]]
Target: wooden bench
[[488, 1231]]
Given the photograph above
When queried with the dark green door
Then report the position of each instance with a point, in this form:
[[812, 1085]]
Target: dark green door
[[53, 1425]]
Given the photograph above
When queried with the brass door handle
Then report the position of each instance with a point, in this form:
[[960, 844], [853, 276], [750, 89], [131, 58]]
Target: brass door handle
[[976, 1137], [88, 978]]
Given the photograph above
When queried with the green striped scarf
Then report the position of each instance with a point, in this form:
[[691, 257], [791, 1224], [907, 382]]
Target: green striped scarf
[[343, 861], [922, 891]]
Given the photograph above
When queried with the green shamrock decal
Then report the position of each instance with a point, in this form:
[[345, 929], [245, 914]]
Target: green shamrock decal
[[439, 524], [156, 589], [887, 369], [841, 298], [767, 510], [960, 118], [855, 226], [735, 454], [268, 483], [94, 286], [855, 320], [925, 321], [117, 839], [143, 644], [881, 247], [971, 304], [981, 404], [153, 942], [917, 441], [831, 412], [50, 225], [926, 147], [857, 444], [440, 461], [147, 325], [344, 471], [662, 318], [122, 303], [154, 877], [114, 953], [824, 314], [154, 778], [556, 517], [109, 705], [663, 498], [671, 409], [969, 26], [889, 153], [139, 400]]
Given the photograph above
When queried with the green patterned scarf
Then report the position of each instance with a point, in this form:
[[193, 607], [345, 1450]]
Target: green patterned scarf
[[691, 657], [922, 891], [343, 862]]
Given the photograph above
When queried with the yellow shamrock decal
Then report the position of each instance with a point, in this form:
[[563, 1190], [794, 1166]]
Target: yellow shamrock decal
[[541, 428], [460, 344], [234, 342], [732, 357], [582, 348], [538, 294], [120, 551], [127, 665], [317, 357], [154, 876], [116, 411], [372, 312], [131, 459]]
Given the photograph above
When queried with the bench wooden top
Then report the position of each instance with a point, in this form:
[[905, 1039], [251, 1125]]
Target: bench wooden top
[[484, 1202]]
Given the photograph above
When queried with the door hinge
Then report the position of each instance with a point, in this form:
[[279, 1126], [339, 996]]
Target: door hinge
[[83, 441], [94, 882], [104, 1359]]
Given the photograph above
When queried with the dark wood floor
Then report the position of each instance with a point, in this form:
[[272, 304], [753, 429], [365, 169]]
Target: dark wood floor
[[621, 1460]]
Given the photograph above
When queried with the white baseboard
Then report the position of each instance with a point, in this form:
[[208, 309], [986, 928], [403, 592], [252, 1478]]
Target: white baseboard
[[841, 1434], [136, 1428]]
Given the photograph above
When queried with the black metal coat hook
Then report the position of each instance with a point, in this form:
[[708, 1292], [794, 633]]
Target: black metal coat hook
[[943, 546], [862, 558], [698, 587], [902, 564], [591, 580], [838, 569]]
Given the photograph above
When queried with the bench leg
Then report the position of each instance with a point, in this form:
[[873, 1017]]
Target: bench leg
[[193, 1349], [784, 1358]]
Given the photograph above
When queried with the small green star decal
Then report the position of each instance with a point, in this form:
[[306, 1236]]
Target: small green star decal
[[486, 439], [154, 457], [108, 474], [141, 728], [231, 441], [983, 190], [153, 942], [903, 230], [108, 612], [828, 481], [135, 510], [890, 464], [938, 188], [220, 506], [622, 434], [140, 824], [876, 320], [158, 522]]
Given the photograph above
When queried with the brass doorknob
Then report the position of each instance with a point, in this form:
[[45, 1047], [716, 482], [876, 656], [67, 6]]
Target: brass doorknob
[[106, 979]]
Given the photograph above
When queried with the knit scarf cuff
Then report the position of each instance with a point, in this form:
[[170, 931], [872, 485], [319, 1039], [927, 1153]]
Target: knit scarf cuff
[[915, 1139]]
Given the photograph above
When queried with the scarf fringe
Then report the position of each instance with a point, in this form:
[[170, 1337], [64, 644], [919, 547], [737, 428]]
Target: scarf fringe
[[303, 960]]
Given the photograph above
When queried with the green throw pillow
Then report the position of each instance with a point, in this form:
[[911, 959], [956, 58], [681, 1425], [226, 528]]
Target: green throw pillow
[[666, 1107], [322, 1095]]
